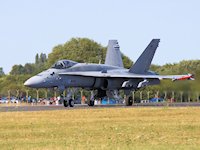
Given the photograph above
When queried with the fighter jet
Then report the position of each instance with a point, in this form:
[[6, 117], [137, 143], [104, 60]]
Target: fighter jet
[[103, 79]]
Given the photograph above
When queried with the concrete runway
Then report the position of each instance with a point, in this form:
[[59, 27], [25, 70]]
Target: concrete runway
[[61, 107], [51, 107]]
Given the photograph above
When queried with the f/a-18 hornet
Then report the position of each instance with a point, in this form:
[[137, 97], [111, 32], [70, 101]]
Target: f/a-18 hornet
[[103, 79]]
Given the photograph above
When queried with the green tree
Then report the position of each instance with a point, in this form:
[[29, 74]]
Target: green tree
[[86, 50], [77, 49], [37, 58], [81, 50], [127, 62], [29, 68], [40, 62], [17, 70], [43, 58], [1, 72]]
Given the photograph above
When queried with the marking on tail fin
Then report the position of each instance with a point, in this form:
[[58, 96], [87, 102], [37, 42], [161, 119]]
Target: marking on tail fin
[[113, 55], [143, 63]]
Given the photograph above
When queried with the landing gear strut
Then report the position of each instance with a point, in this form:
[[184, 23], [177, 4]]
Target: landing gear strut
[[91, 101], [69, 101], [65, 103], [129, 98], [129, 101]]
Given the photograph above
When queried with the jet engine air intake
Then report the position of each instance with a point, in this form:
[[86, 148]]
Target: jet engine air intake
[[104, 83]]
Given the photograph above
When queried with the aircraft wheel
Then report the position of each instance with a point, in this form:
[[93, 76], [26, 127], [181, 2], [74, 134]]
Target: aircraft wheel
[[91, 103], [71, 103], [65, 103], [129, 101]]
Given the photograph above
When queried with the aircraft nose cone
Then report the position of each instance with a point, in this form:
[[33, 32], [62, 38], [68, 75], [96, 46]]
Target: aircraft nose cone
[[34, 82]]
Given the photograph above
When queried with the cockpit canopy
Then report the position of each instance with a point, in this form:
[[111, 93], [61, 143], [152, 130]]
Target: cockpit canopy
[[63, 64]]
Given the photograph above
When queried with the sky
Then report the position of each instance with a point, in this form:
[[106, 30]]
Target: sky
[[28, 27]]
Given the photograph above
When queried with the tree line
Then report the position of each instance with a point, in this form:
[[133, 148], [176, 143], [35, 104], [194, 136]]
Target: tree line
[[87, 50]]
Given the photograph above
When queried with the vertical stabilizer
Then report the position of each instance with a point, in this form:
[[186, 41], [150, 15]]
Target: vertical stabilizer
[[113, 55], [143, 63]]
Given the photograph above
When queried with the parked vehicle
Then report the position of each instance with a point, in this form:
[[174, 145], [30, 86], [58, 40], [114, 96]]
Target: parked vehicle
[[156, 100], [105, 101], [3, 101], [14, 101]]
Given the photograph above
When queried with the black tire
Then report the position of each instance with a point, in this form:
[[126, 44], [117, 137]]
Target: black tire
[[91, 103], [65, 103], [71, 103], [129, 101]]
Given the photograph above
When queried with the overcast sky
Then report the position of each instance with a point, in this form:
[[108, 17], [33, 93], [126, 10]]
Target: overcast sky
[[28, 27]]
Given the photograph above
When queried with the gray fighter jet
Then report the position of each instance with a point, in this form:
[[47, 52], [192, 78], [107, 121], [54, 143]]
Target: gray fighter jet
[[103, 79]]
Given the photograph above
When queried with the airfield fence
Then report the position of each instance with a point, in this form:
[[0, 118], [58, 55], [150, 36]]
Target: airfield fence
[[44, 96]]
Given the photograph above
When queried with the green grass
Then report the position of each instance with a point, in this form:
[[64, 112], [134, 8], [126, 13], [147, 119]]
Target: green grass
[[110, 128]]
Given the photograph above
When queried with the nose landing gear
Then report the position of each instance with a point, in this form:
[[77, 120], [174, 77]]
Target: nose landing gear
[[69, 101], [91, 101]]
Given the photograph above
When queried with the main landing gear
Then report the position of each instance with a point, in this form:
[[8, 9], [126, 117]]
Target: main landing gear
[[129, 98], [129, 101], [90, 103], [69, 102]]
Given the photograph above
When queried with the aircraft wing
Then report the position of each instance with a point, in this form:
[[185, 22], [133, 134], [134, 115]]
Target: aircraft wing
[[128, 75]]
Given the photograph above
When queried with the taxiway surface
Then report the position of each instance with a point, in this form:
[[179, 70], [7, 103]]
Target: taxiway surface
[[85, 106]]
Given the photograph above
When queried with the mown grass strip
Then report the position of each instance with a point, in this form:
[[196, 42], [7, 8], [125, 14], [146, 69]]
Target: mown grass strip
[[110, 128]]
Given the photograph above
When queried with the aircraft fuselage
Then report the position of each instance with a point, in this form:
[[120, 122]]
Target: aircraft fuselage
[[50, 78]]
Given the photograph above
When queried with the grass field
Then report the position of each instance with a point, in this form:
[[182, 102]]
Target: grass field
[[104, 128]]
